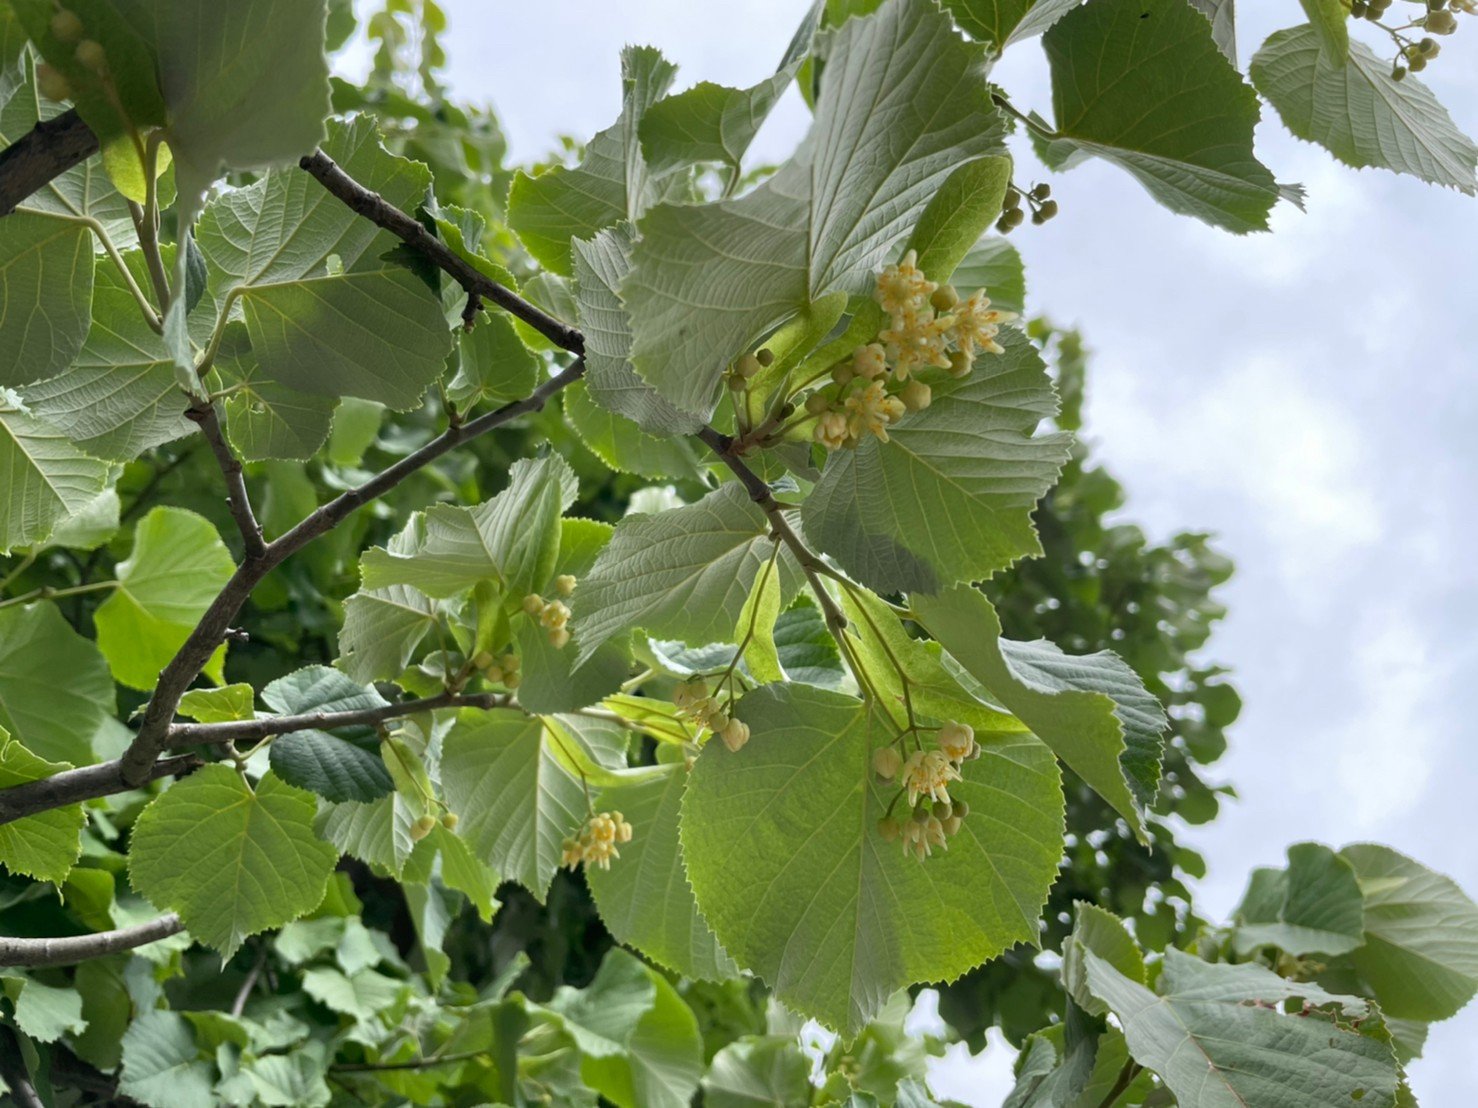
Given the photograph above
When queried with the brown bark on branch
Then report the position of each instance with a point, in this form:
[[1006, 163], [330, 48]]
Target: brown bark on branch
[[41, 155], [79, 948], [208, 419], [73, 786]]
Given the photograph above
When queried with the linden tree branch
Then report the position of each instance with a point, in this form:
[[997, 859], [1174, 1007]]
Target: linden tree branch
[[41, 155], [79, 948]]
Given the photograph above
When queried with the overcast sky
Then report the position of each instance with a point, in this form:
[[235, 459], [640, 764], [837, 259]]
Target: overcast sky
[[1306, 395]]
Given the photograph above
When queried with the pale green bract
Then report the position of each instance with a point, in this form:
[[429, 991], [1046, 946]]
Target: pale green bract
[[232, 860], [789, 867], [710, 280], [1359, 114]]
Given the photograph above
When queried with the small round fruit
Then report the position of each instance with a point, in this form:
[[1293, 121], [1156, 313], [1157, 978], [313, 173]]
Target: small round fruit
[[52, 84], [66, 27], [91, 55]]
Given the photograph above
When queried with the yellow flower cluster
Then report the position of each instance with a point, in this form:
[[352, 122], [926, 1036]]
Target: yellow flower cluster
[[694, 701], [596, 842], [929, 327], [924, 778], [553, 615]]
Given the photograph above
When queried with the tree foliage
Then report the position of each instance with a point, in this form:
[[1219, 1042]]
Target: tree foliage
[[537, 635]]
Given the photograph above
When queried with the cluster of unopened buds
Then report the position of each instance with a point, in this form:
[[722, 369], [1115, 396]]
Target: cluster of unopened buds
[[1038, 198], [595, 844], [748, 367], [553, 615], [924, 777], [427, 824], [929, 326], [68, 30], [1439, 17], [502, 669], [694, 701]]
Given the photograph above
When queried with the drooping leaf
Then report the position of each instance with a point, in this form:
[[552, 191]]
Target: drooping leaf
[[612, 183], [263, 418], [53, 718], [1312, 907], [762, 1071], [645, 898], [378, 832], [601, 265], [119, 398], [43, 846], [622, 444], [337, 766], [95, 523], [1358, 113], [1092, 710], [683, 573], [1214, 1049], [493, 365], [713, 123], [1002, 22], [710, 280], [516, 799], [970, 458], [788, 865], [43, 477], [177, 567], [512, 539], [1143, 84], [44, 1012], [1421, 935], [230, 859]]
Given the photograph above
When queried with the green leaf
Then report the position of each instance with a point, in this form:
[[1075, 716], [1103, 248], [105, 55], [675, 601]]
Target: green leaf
[[44, 1012], [264, 419], [383, 627], [493, 365], [710, 280], [232, 861], [1002, 22], [645, 899], [94, 524], [601, 264], [466, 873], [1104, 934], [807, 651], [612, 183], [755, 628], [120, 397], [161, 1063], [1143, 84], [1358, 113], [286, 226], [713, 123], [43, 477], [1312, 907], [970, 458], [46, 845], [177, 568], [1222, 14], [246, 85], [1092, 709], [1421, 935], [45, 295], [790, 869], [994, 265], [338, 766], [516, 799], [760, 1071], [82, 192], [378, 832], [683, 573], [622, 444], [639, 1040], [363, 996], [219, 705], [54, 719], [327, 335], [512, 539], [1212, 1048]]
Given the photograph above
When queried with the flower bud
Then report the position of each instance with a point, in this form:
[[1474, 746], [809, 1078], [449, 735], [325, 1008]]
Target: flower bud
[[886, 762], [916, 396], [960, 364], [718, 722], [66, 27], [91, 55], [449, 820], [842, 374], [559, 637], [765, 356], [1440, 23], [817, 403], [944, 298], [952, 824], [565, 584], [513, 680], [483, 660], [942, 809], [422, 827], [52, 84], [735, 734], [1041, 191], [888, 830], [1048, 209], [533, 604]]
